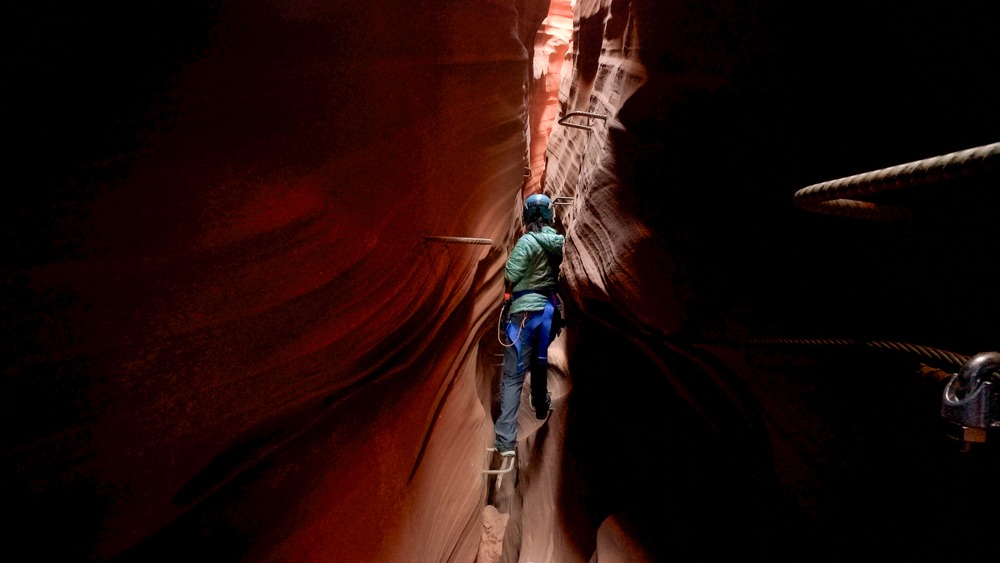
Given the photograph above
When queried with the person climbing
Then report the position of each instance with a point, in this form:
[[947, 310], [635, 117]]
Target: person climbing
[[531, 317]]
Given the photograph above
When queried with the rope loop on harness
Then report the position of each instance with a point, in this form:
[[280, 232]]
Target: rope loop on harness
[[501, 331]]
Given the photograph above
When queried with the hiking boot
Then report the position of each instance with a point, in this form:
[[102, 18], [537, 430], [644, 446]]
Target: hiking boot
[[542, 413], [504, 450], [539, 391]]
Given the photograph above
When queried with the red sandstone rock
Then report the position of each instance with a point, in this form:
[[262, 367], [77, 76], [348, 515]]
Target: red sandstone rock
[[249, 314]]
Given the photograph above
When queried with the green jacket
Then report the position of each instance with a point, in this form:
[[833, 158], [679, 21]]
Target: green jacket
[[528, 267]]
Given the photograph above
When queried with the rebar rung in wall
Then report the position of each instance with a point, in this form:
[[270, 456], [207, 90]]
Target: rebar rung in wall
[[458, 240], [562, 120], [506, 466]]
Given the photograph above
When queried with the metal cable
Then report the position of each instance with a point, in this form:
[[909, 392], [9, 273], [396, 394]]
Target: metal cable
[[839, 197], [950, 358]]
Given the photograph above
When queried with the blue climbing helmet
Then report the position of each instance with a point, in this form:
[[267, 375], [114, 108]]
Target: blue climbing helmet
[[538, 205]]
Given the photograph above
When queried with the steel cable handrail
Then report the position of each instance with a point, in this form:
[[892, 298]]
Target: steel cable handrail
[[842, 196], [946, 356]]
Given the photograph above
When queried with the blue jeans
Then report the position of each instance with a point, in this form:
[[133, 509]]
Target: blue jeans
[[530, 334]]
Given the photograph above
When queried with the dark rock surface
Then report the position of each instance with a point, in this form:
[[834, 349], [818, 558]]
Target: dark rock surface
[[252, 270]]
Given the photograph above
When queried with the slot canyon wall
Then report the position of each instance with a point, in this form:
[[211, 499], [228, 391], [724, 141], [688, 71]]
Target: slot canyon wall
[[232, 332], [749, 377], [253, 268]]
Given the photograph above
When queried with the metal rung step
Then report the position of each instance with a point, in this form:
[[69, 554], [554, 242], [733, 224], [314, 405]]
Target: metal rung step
[[505, 467]]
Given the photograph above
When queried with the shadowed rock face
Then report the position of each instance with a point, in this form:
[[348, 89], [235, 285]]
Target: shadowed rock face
[[699, 421], [253, 261]]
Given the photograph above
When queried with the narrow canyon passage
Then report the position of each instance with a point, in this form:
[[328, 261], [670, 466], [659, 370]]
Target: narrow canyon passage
[[253, 267]]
